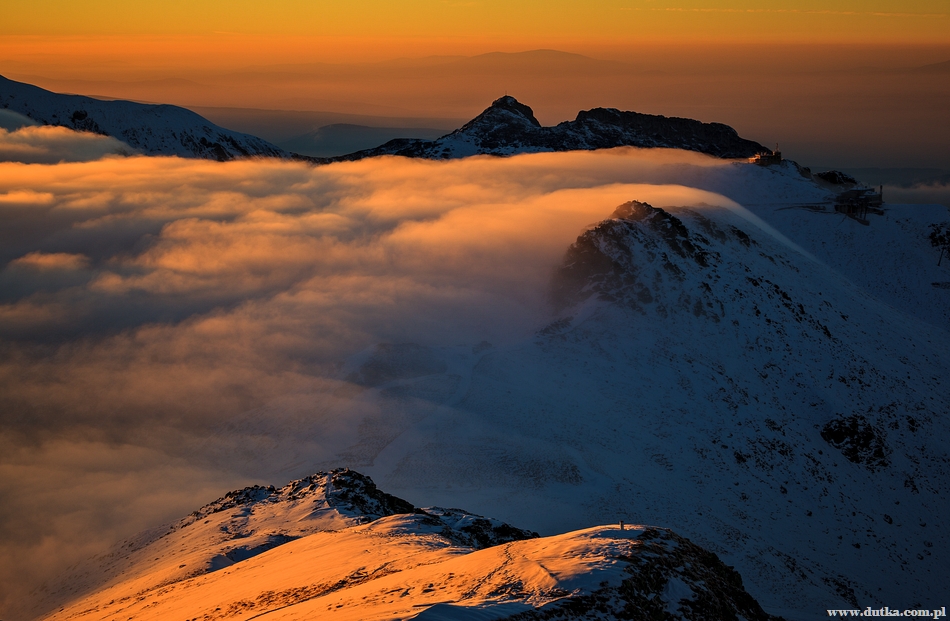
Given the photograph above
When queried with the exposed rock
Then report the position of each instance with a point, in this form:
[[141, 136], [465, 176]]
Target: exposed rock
[[474, 531], [858, 440], [623, 259], [836, 177], [508, 127]]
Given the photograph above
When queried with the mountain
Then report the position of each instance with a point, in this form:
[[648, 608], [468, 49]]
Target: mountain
[[333, 546], [935, 68], [505, 128], [766, 380], [508, 127], [149, 129], [765, 376]]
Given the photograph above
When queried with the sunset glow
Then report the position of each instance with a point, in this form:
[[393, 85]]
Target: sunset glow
[[851, 20], [229, 33]]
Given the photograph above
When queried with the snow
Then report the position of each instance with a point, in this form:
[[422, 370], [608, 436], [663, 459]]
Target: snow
[[387, 569], [675, 591], [711, 423], [508, 127], [148, 129], [701, 410]]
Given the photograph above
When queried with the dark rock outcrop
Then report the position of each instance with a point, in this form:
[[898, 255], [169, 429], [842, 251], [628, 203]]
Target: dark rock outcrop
[[508, 127], [836, 177], [858, 440]]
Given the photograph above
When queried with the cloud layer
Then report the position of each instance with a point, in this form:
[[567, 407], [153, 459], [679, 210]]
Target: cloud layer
[[147, 302], [45, 144]]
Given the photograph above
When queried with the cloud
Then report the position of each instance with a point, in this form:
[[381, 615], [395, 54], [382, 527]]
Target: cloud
[[47, 144], [86, 496], [150, 303], [26, 197], [919, 193], [51, 261]]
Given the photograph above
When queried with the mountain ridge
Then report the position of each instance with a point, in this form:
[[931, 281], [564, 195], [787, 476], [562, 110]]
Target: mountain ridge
[[720, 380], [152, 129], [508, 127], [445, 562]]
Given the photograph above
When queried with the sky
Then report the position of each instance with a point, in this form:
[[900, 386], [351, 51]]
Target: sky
[[297, 30], [811, 20]]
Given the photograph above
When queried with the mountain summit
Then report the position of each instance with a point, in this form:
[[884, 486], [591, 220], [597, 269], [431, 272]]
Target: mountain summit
[[510, 105], [508, 127]]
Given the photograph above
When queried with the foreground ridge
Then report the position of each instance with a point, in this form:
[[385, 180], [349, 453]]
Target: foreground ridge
[[332, 545]]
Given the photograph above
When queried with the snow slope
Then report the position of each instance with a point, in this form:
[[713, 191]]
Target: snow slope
[[348, 551], [889, 258], [148, 129]]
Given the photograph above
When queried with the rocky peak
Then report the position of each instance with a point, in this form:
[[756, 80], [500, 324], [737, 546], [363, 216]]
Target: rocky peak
[[633, 210], [345, 490], [510, 104], [505, 122], [656, 263]]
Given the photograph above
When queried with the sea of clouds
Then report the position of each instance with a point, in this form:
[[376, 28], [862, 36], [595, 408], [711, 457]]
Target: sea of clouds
[[22, 140], [146, 302]]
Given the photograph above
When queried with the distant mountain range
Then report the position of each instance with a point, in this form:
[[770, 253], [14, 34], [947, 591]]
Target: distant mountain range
[[148, 129], [333, 546], [507, 127], [943, 67]]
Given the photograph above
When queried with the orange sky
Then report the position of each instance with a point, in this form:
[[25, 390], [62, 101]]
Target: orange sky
[[238, 32]]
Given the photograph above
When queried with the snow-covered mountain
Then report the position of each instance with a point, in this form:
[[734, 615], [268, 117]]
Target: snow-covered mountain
[[333, 546], [505, 128], [769, 381], [508, 127], [148, 129], [766, 378]]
